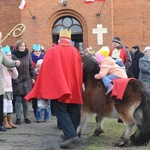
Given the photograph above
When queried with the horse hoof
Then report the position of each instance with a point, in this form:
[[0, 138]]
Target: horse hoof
[[122, 143], [98, 132]]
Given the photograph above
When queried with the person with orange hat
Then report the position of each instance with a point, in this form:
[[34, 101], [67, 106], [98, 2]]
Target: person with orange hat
[[60, 79], [109, 69]]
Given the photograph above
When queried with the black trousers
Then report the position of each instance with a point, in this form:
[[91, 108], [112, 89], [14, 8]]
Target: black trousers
[[52, 109], [34, 105], [1, 110], [68, 116]]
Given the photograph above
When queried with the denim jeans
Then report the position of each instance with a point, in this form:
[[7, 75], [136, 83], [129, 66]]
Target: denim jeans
[[68, 116], [108, 79], [39, 113]]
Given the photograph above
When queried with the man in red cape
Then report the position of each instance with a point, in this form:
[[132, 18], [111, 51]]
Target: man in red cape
[[60, 79]]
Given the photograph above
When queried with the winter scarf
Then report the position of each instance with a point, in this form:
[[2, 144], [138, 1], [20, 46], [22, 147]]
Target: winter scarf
[[20, 54], [36, 58]]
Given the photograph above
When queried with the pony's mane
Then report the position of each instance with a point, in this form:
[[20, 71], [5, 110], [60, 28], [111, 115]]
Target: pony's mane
[[90, 67]]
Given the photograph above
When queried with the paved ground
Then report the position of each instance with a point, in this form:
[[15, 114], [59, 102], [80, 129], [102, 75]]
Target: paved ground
[[45, 136], [35, 136]]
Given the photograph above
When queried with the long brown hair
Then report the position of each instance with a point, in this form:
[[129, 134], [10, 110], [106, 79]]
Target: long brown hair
[[19, 42]]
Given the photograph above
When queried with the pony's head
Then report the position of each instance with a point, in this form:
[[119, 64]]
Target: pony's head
[[90, 67]]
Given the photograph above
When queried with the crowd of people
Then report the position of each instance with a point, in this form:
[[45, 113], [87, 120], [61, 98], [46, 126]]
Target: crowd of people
[[137, 63], [55, 77]]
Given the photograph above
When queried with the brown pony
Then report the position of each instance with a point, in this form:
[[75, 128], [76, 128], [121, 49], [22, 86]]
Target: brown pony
[[133, 109]]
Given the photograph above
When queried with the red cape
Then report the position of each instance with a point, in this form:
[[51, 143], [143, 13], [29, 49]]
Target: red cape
[[60, 76]]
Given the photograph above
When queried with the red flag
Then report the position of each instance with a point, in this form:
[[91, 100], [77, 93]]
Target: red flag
[[91, 1], [22, 5]]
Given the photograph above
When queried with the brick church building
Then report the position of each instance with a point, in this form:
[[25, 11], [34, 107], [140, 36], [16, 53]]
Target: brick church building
[[92, 24]]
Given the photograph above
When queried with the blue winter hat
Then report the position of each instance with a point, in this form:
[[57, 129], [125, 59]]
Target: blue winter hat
[[6, 49], [36, 47]]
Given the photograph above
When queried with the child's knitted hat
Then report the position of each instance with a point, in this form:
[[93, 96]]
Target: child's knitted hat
[[102, 53], [146, 49], [6, 50]]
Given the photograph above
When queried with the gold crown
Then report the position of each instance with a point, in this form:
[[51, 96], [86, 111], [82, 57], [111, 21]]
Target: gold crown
[[65, 33]]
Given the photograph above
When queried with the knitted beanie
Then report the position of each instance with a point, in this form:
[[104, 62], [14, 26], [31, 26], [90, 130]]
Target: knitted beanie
[[117, 40], [146, 49], [6, 50]]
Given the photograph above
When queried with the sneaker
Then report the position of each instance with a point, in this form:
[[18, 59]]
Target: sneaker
[[27, 121], [46, 121], [18, 121], [38, 121], [2, 128], [109, 89], [69, 142]]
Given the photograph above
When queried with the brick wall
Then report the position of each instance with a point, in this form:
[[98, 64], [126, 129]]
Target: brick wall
[[124, 18], [47, 14], [9, 17], [131, 22]]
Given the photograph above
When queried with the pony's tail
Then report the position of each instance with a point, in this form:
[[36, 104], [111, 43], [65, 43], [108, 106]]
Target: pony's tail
[[142, 135]]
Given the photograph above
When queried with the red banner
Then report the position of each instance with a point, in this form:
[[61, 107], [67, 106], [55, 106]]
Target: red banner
[[22, 5]]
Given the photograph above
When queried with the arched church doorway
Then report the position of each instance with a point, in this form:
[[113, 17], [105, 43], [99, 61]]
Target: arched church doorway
[[76, 30]]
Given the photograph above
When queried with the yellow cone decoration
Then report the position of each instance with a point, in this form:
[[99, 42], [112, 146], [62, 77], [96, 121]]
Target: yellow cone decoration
[[104, 51]]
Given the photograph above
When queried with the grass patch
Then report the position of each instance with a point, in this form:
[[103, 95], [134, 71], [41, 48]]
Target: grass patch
[[107, 140]]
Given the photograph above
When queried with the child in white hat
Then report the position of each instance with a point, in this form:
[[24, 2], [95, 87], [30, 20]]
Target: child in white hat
[[144, 65]]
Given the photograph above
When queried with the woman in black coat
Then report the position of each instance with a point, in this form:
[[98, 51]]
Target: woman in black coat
[[23, 84], [137, 54]]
